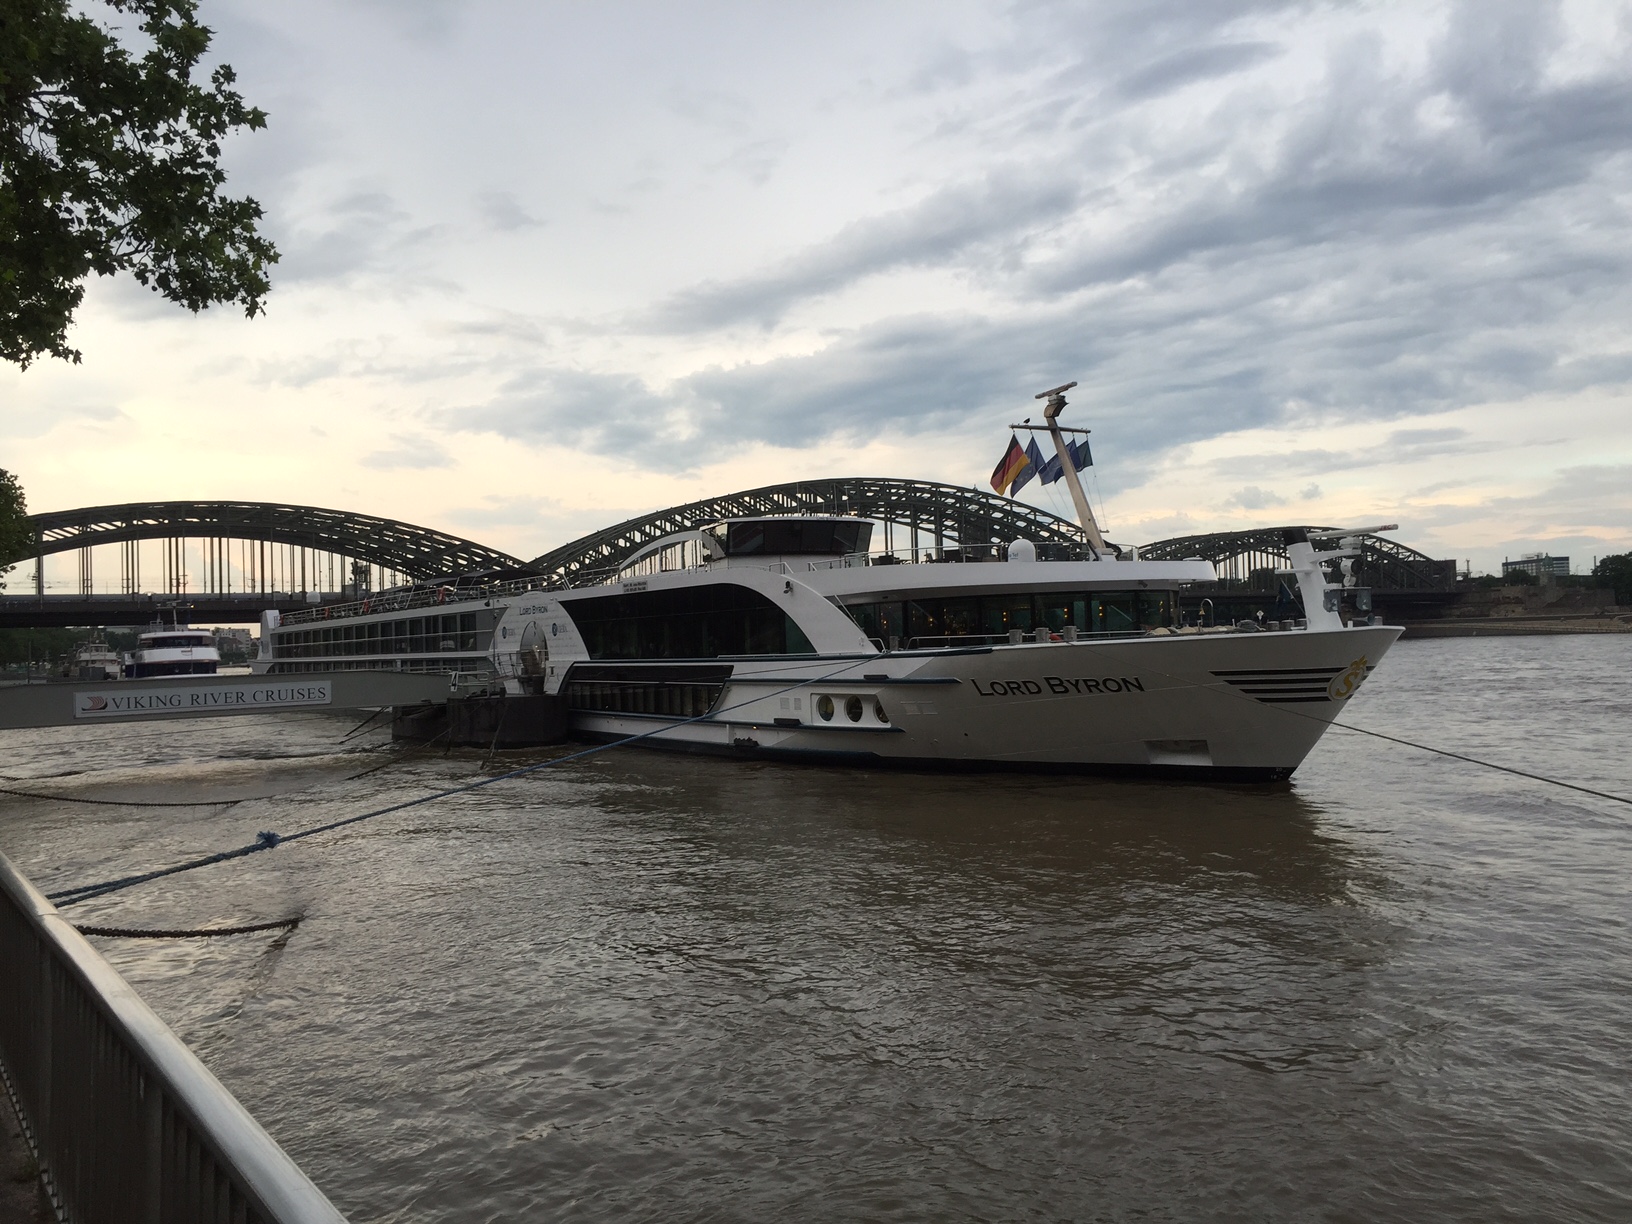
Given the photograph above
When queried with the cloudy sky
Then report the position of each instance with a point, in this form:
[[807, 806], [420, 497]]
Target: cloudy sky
[[547, 265]]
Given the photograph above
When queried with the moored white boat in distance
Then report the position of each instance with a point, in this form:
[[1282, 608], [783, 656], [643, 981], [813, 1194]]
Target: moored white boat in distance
[[786, 636], [173, 651], [94, 659]]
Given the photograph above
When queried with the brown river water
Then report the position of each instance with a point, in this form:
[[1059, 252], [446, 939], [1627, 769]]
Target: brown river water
[[652, 987]]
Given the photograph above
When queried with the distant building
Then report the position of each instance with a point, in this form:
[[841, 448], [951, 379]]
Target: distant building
[[235, 643], [1539, 566]]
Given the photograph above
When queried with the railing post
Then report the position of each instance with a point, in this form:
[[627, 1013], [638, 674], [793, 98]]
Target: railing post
[[150, 1203], [44, 1076]]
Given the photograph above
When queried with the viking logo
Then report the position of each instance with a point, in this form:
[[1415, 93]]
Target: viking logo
[[1346, 681], [94, 702]]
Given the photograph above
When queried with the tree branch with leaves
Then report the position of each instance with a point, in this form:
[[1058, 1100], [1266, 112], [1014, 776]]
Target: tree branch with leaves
[[16, 532], [110, 162]]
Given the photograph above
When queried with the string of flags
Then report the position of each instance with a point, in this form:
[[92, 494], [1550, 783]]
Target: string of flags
[[1020, 465]]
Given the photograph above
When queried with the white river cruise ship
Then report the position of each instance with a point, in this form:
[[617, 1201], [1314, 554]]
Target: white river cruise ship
[[787, 636]]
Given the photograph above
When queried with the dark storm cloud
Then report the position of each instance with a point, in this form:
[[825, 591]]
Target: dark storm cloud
[[1400, 446], [1362, 163], [364, 231], [1254, 498], [942, 228], [1196, 64], [604, 412], [503, 212], [879, 379], [1405, 236]]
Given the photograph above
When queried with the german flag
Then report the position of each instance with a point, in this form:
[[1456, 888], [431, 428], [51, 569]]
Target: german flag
[[1014, 462]]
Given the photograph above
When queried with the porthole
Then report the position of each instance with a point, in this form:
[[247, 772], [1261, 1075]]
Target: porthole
[[824, 707], [852, 709], [878, 711]]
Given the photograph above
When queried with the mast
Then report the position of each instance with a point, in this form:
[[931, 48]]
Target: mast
[[1051, 414]]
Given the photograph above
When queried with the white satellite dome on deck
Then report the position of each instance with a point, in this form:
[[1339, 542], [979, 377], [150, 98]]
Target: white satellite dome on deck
[[1022, 550]]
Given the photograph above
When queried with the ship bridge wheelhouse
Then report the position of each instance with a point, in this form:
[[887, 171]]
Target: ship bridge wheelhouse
[[774, 537]]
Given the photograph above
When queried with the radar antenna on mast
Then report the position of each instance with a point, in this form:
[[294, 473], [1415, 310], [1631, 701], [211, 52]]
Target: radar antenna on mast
[[1055, 398], [1068, 467]]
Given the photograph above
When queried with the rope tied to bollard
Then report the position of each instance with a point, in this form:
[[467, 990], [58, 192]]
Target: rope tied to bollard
[[264, 840]]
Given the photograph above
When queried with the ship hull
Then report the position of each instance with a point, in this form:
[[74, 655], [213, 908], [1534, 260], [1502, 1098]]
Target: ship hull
[[1244, 707]]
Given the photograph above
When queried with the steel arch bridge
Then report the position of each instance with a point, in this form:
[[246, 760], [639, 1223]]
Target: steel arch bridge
[[924, 509], [1249, 559], [387, 544]]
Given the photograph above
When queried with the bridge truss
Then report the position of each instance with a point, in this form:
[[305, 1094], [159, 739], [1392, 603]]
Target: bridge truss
[[280, 547], [1249, 559], [915, 514], [218, 554]]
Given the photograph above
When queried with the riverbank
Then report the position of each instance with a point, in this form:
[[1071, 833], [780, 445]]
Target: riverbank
[[1515, 626]]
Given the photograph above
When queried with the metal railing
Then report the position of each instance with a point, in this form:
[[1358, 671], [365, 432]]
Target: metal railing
[[1016, 637], [401, 599], [127, 1126]]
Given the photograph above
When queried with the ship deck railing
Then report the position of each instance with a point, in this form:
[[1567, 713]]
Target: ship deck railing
[[1012, 637], [429, 597], [954, 554], [404, 599]]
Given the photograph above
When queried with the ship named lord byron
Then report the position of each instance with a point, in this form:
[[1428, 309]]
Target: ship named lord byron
[[789, 636]]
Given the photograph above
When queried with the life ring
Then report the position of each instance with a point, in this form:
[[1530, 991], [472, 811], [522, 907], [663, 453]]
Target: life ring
[[441, 594], [325, 613], [365, 605]]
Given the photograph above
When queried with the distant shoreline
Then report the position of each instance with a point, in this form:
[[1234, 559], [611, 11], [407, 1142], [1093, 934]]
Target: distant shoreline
[[1515, 626]]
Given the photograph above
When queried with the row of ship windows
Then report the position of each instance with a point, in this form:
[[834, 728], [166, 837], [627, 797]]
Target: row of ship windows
[[676, 700], [996, 615], [680, 700], [686, 623], [723, 620], [447, 663], [410, 635], [177, 667]]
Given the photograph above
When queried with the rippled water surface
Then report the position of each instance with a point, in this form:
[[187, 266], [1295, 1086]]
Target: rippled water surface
[[652, 987]]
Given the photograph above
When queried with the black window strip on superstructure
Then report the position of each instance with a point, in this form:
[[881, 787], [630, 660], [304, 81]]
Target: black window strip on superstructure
[[946, 618], [696, 622], [673, 700]]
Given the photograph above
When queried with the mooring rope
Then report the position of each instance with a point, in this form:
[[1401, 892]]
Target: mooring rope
[[192, 933], [267, 840], [1457, 756], [398, 759], [366, 723], [6, 790]]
